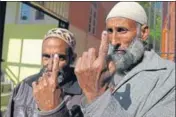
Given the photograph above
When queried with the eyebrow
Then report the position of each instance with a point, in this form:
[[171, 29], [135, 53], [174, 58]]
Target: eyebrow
[[45, 55], [117, 28]]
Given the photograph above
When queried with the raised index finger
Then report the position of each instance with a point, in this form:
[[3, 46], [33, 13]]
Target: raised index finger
[[103, 50], [55, 67]]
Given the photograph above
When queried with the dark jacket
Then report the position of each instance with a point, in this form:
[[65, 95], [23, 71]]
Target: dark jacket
[[22, 103]]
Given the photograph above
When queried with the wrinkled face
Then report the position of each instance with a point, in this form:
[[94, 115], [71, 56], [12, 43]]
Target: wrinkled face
[[121, 31], [125, 49], [53, 46]]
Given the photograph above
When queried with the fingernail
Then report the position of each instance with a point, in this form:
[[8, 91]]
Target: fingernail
[[104, 33], [56, 56]]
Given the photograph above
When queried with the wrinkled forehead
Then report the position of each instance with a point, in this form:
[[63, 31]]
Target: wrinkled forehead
[[54, 45], [120, 22]]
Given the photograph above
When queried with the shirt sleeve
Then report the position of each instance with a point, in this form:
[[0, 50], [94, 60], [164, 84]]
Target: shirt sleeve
[[160, 103], [60, 111], [104, 106]]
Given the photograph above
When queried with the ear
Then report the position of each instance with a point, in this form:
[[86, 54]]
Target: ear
[[144, 32]]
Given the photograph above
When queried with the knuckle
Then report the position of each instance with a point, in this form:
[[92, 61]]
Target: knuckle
[[79, 58], [78, 61], [35, 91], [52, 82], [77, 70], [86, 69], [85, 53], [45, 84], [92, 50], [40, 88], [98, 67]]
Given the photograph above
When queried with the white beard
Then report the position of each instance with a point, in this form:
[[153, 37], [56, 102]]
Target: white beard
[[130, 58]]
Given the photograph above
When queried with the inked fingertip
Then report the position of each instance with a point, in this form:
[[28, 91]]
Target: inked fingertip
[[104, 33], [56, 56]]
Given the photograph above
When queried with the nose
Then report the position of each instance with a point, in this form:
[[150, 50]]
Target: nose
[[115, 39], [50, 64]]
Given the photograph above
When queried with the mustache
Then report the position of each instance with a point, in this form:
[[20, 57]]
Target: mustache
[[118, 49]]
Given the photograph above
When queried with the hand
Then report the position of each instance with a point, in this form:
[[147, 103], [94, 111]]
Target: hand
[[90, 69], [46, 91]]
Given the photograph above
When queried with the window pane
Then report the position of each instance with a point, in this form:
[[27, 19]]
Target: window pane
[[14, 50], [31, 53], [39, 15], [94, 22], [12, 73], [93, 30], [93, 18], [90, 19], [25, 12], [95, 14], [89, 27], [94, 4]]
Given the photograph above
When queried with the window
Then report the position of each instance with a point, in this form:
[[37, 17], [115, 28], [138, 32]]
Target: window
[[93, 18], [22, 59], [38, 14], [25, 12]]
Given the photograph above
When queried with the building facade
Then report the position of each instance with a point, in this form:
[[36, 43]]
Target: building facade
[[87, 21], [168, 31]]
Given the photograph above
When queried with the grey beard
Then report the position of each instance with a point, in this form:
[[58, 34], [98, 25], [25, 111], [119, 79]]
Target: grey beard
[[132, 56]]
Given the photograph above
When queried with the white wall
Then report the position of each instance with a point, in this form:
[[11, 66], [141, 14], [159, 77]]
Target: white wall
[[11, 9]]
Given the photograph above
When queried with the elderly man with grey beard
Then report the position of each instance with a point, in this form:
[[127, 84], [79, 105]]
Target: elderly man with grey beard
[[125, 78], [54, 90]]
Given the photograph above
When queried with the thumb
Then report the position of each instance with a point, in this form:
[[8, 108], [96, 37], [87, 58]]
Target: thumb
[[106, 76], [111, 67]]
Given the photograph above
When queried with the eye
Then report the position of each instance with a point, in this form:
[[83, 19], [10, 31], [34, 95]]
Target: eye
[[121, 30], [46, 56], [62, 57], [109, 30]]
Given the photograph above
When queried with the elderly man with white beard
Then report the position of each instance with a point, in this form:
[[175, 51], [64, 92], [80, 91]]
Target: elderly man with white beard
[[125, 78]]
